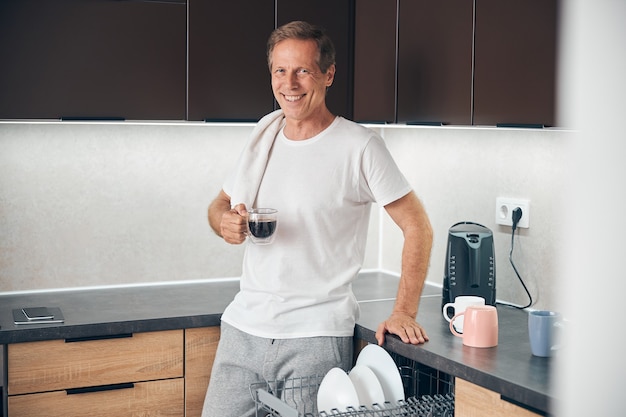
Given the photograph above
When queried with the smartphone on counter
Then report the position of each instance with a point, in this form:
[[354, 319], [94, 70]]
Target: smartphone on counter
[[37, 313]]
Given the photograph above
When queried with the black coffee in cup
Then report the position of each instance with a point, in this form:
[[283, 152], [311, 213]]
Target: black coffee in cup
[[262, 223], [262, 229]]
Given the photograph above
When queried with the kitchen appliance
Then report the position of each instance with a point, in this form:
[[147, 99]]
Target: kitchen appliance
[[470, 267]]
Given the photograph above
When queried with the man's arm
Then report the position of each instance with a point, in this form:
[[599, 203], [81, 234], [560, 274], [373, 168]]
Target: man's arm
[[230, 224], [409, 214]]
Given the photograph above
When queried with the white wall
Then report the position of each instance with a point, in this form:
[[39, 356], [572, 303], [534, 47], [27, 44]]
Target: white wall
[[106, 204], [458, 173], [89, 204]]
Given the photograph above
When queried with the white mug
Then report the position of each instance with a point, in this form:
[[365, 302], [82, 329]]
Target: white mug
[[460, 304]]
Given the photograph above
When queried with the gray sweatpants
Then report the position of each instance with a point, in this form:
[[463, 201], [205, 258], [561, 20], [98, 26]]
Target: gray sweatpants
[[242, 359]]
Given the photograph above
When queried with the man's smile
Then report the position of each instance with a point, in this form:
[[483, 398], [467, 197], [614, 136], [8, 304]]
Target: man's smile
[[293, 98]]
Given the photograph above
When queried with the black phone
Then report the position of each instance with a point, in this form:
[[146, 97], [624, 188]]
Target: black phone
[[37, 313]]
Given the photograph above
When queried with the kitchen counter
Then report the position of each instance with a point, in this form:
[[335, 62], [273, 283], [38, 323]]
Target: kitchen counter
[[509, 368], [144, 308]]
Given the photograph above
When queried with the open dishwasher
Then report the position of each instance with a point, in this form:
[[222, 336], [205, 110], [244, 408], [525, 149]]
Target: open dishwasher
[[428, 393]]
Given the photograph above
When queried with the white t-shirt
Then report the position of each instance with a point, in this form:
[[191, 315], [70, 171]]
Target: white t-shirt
[[323, 187]]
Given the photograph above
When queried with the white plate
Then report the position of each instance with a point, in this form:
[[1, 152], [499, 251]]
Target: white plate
[[367, 386], [385, 369], [336, 391]]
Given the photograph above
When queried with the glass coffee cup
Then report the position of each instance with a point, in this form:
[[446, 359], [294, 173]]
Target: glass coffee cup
[[262, 224]]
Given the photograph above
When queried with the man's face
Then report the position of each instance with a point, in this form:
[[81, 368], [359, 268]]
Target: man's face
[[298, 83]]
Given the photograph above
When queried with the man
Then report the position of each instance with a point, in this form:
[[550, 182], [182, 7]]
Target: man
[[295, 313]]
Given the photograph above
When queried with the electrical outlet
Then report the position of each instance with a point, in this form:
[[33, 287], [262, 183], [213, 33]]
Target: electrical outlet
[[504, 211]]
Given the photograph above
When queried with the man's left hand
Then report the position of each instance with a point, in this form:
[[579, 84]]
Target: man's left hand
[[403, 326]]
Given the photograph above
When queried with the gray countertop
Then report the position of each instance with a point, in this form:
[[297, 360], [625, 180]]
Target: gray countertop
[[509, 368]]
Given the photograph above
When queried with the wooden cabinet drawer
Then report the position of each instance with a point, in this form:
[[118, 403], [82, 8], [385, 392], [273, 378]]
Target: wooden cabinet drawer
[[58, 364], [155, 398], [471, 400], [200, 348]]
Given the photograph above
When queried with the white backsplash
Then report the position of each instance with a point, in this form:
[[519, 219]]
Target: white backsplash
[[108, 204], [97, 204], [459, 172]]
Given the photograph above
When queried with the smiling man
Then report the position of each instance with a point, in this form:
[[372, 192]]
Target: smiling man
[[295, 312], [299, 82]]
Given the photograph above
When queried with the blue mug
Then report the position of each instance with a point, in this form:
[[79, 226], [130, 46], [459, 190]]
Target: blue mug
[[542, 331]]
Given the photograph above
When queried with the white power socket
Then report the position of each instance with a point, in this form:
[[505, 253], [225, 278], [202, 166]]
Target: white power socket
[[504, 211]]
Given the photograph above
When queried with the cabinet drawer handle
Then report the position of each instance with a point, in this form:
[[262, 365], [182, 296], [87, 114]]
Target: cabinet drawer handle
[[522, 405], [157, 1], [99, 388], [101, 337], [92, 119]]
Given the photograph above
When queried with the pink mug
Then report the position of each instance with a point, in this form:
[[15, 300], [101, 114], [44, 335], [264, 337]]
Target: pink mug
[[480, 328]]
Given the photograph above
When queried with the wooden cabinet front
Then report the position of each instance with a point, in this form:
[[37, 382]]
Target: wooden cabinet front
[[482, 63], [336, 16], [200, 347], [435, 61], [422, 61], [228, 74], [58, 364], [515, 64], [375, 61], [164, 373], [93, 59], [471, 400], [155, 398]]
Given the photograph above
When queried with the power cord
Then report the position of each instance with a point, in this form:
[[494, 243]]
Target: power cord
[[516, 215]]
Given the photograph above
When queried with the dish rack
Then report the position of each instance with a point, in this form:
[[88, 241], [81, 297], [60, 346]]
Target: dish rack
[[297, 397], [419, 379]]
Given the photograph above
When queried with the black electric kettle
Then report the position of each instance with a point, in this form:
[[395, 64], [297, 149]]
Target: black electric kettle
[[470, 267]]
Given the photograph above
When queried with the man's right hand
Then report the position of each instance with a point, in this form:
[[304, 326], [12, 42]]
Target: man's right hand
[[233, 227], [228, 223]]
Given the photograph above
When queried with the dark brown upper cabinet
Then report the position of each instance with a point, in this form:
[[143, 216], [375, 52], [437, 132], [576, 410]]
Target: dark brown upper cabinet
[[514, 80], [228, 74], [435, 61], [93, 59], [375, 55], [480, 62], [337, 17]]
